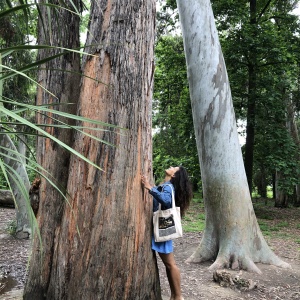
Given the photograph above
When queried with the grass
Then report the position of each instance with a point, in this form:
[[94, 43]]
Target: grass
[[274, 223], [194, 219]]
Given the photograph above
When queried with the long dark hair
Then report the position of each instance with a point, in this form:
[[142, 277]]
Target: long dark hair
[[183, 189]]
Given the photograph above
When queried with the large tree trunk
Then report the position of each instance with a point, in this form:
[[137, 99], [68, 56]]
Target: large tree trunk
[[59, 28], [19, 189], [232, 236], [102, 246]]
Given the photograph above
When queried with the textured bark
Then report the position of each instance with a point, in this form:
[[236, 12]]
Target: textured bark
[[102, 246], [232, 236], [15, 162], [59, 28]]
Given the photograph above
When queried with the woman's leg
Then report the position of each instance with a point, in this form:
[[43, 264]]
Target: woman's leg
[[173, 275]]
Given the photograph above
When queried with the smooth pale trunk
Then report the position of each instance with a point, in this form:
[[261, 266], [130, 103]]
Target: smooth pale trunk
[[232, 236], [16, 162], [19, 189]]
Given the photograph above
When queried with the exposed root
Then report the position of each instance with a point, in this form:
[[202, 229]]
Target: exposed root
[[206, 250], [280, 263], [236, 264], [194, 260], [220, 263], [249, 265]]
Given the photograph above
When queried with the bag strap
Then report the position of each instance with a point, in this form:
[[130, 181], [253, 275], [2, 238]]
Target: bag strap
[[173, 198]]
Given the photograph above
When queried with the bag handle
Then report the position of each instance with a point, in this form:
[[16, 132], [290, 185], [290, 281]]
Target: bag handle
[[173, 198]]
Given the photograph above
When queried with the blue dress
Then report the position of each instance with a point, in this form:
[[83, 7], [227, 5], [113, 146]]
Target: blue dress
[[163, 195]]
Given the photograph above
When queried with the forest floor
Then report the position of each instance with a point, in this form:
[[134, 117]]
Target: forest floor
[[281, 228]]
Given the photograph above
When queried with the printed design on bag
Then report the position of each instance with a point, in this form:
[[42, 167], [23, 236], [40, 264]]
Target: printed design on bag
[[166, 225]]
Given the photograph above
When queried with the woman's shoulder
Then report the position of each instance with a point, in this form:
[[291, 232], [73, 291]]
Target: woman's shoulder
[[166, 185]]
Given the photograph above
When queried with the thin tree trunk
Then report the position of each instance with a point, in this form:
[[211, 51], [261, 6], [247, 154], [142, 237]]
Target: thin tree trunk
[[281, 199], [232, 236], [59, 28], [293, 129], [250, 127], [19, 189], [261, 182], [22, 147]]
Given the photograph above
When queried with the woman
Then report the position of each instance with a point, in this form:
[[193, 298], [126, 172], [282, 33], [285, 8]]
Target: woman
[[176, 178]]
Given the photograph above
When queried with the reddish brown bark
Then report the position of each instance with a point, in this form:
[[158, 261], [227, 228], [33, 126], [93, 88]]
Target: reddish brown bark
[[104, 240], [102, 247], [62, 32]]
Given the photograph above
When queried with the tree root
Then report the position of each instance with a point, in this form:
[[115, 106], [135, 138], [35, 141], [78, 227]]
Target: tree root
[[236, 259], [242, 263]]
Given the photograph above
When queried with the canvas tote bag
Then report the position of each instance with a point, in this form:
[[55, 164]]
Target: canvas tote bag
[[167, 223]]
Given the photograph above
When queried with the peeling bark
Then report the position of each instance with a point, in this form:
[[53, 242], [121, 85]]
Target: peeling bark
[[232, 236], [59, 28], [103, 239]]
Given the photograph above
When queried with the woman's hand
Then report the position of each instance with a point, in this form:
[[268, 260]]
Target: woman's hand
[[145, 182]]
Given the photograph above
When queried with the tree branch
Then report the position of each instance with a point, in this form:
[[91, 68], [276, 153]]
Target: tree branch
[[264, 9]]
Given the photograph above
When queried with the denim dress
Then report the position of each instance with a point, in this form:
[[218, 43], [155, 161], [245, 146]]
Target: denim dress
[[163, 195]]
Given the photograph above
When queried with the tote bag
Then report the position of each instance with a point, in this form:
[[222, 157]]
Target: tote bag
[[167, 223]]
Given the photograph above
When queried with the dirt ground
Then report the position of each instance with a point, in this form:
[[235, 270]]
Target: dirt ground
[[197, 281]]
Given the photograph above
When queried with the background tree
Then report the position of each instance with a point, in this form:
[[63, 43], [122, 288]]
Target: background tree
[[232, 236]]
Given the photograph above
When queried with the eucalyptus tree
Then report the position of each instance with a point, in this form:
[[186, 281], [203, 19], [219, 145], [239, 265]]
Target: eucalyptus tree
[[259, 41], [232, 236], [107, 219], [259, 47]]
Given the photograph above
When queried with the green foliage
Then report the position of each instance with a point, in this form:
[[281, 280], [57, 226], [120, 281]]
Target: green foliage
[[174, 139], [270, 44]]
